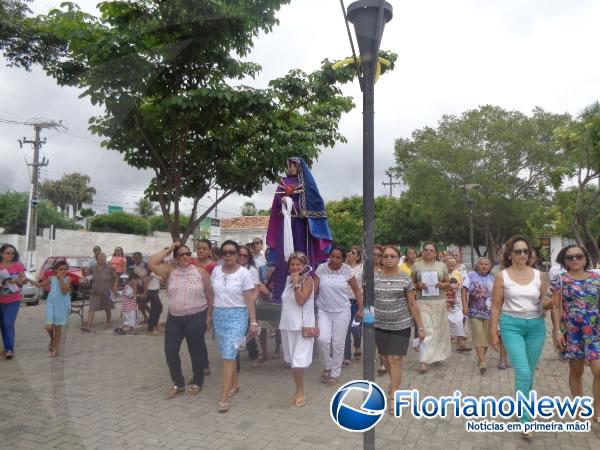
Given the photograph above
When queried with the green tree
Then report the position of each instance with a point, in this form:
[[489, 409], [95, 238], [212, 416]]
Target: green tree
[[512, 157], [146, 208], [168, 75], [120, 222], [581, 142], [263, 212], [13, 214], [71, 190], [86, 213], [157, 223], [249, 209]]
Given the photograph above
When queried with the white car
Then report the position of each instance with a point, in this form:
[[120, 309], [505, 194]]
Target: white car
[[30, 293]]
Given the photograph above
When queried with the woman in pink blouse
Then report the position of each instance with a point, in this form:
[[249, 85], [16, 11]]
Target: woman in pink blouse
[[12, 276]]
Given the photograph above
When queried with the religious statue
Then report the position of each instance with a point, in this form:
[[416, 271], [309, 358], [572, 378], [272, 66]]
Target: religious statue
[[298, 223]]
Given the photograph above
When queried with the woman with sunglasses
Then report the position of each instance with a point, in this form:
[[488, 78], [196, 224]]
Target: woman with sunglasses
[[190, 309], [518, 305], [12, 279], [119, 261], [235, 295], [575, 296], [431, 279], [354, 260], [396, 310], [331, 289], [246, 260]]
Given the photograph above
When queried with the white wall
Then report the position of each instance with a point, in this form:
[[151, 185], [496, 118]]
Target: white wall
[[243, 236], [81, 243]]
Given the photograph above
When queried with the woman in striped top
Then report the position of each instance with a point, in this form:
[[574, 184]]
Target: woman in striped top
[[395, 310], [190, 302]]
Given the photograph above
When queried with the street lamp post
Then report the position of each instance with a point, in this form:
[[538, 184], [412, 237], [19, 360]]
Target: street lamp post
[[471, 204], [369, 18]]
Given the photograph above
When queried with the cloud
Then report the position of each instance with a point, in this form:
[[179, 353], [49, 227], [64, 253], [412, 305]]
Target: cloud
[[453, 56]]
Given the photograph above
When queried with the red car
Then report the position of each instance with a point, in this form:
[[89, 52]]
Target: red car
[[76, 264]]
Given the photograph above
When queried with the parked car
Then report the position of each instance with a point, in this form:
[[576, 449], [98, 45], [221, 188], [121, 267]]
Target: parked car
[[76, 264], [31, 293]]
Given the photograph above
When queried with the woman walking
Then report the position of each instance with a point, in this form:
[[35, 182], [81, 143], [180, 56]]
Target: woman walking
[[297, 313], [12, 276], [58, 304], [431, 278], [354, 260], [396, 310], [455, 305], [104, 280], [410, 258], [517, 305], [477, 304], [234, 305], [118, 261], [190, 308], [331, 287], [575, 297]]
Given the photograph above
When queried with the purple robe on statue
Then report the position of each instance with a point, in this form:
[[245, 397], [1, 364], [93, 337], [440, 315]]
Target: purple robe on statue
[[315, 248]]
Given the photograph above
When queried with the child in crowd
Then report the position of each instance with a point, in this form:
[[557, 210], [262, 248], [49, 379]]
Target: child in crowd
[[58, 304], [129, 303]]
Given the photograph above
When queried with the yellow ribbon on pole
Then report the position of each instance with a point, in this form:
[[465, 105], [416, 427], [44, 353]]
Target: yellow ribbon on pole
[[380, 61]]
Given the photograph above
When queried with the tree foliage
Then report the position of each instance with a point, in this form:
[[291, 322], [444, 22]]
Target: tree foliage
[[249, 209], [513, 158], [120, 222], [72, 190], [13, 214], [170, 78], [157, 223], [581, 142], [146, 208]]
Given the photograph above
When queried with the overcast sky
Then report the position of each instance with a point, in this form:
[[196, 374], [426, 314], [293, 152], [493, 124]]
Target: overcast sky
[[453, 56]]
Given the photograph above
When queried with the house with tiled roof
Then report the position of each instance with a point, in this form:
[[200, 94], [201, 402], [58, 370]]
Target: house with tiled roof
[[244, 229]]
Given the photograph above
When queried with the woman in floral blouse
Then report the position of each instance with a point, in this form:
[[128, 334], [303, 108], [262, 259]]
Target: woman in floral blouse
[[575, 296]]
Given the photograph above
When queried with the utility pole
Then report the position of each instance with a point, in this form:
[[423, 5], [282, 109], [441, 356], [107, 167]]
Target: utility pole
[[32, 222], [217, 205], [391, 184]]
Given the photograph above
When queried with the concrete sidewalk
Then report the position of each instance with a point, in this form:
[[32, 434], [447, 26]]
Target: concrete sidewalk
[[106, 391]]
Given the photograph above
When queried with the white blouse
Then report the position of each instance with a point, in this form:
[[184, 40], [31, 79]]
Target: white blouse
[[229, 287]]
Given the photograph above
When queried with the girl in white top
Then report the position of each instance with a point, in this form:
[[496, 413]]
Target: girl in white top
[[331, 282], [517, 304], [297, 311]]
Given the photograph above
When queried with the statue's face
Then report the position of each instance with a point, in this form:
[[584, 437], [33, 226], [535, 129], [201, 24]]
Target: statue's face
[[292, 169]]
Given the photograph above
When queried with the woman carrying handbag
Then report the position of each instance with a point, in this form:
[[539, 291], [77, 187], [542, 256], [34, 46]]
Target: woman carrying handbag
[[297, 324]]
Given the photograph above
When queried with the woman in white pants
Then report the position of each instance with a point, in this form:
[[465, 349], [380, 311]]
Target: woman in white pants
[[333, 303]]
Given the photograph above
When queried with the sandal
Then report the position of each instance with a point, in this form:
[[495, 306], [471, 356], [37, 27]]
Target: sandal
[[299, 401], [346, 363], [193, 389], [233, 391], [332, 381], [423, 368], [482, 367], [86, 329], [223, 407], [53, 354], [9, 355], [173, 392], [325, 375], [357, 355]]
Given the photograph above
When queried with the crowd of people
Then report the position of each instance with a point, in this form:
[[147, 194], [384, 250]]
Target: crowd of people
[[424, 295]]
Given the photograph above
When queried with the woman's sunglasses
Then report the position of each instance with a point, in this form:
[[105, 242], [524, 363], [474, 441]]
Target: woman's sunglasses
[[229, 253], [184, 254], [521, 251], [576, 257]]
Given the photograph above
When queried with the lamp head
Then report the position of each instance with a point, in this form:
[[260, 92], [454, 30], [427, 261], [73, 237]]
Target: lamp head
[[364, 15]]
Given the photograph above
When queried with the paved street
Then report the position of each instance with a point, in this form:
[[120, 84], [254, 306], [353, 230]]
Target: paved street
[[106, 391]]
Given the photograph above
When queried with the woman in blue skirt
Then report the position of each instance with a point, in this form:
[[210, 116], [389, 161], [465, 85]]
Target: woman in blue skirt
[[234, 303]]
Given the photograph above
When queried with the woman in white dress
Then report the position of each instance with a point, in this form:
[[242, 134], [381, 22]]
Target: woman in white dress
[[297, 312]]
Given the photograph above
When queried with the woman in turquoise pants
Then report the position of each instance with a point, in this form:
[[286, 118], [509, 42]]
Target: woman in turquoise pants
[[518, 305]]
